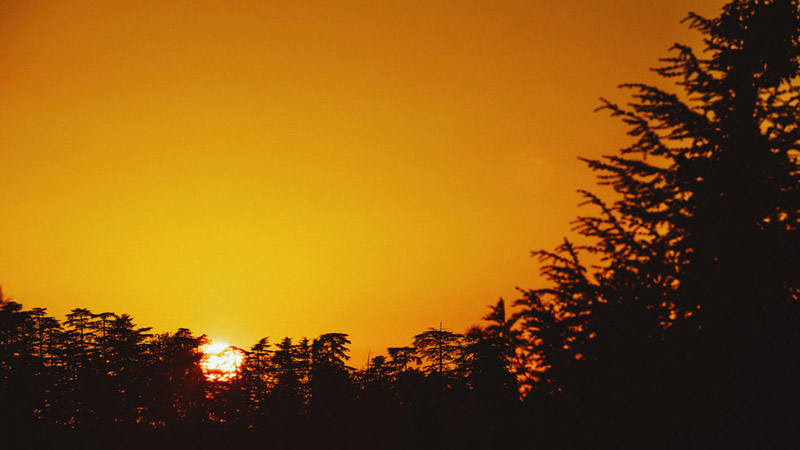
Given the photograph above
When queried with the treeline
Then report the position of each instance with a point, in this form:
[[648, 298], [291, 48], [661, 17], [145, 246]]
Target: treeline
[[683, 332], [96, 375]]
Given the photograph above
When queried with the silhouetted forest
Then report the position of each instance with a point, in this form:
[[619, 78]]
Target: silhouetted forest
[[683, 332]]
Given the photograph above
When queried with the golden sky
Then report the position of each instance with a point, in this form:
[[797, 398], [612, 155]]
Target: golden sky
[[250, 169]]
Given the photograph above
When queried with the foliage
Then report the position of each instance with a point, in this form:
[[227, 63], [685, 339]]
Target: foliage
[[100, 373], [692, 311]]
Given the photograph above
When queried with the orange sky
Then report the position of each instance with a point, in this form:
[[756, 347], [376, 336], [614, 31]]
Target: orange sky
[[291, 168]]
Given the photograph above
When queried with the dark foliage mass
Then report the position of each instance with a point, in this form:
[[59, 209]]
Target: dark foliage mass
[[683, 332], [101, 380], [686, 331]]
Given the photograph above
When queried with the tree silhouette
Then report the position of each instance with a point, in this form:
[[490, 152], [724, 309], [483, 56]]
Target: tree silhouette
[[330, 350], [286, 397], [176, 385], [259, 378], [402, 357], [489, 355], [332, 391], [691, 315], [440, 348], [107, 381]]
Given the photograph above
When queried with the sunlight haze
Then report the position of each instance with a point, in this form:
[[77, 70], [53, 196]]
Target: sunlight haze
[[251, 169]]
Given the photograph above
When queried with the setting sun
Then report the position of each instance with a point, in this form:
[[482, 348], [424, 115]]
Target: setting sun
[[220, 361]]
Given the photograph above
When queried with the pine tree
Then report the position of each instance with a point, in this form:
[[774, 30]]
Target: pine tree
[[440, 349], [689, 322]]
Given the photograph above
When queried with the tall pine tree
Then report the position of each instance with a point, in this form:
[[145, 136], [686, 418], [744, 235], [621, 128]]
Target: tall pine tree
[[687, 330]]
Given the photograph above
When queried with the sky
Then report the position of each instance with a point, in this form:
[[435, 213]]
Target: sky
[[250, 169]]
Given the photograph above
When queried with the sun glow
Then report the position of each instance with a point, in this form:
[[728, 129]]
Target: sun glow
[[221, 362]]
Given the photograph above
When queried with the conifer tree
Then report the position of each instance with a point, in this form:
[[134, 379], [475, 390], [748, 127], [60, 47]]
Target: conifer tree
[[692, 314]]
